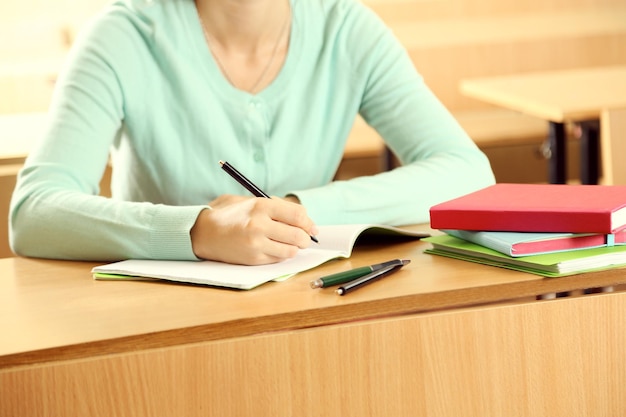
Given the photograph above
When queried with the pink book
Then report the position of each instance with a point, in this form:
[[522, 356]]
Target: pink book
[[537, 243], [535, 208]]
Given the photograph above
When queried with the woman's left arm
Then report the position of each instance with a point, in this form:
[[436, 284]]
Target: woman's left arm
[[438, 159]]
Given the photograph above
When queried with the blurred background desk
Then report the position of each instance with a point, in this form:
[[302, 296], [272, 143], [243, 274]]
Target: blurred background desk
[[613, 145], [575, 95], [20, 133], [441, 337]]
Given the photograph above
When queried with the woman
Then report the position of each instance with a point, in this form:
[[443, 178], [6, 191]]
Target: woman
[[168, 88]]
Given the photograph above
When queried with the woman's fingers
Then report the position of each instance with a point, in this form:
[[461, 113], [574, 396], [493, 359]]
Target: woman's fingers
[[251, 231]]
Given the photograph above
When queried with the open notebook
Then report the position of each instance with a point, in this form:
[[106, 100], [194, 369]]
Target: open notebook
[[336, 241]]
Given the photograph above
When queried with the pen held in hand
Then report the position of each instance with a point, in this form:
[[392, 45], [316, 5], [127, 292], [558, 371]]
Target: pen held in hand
[[369, 278], [247, 184], [241, 179], [352, 274]]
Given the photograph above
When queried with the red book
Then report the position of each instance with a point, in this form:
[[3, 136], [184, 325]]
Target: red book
[[535, 208]]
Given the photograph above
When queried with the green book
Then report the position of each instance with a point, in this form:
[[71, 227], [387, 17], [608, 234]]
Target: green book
[[548, 265]]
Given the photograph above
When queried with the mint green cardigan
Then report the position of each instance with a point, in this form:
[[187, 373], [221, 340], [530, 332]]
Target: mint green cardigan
[[142, 88]]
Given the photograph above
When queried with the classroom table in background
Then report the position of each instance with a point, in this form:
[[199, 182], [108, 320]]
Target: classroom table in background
[[441, 337], [20, 133], [573, 95]]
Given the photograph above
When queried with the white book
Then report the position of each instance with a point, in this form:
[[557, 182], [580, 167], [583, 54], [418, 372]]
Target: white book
[[335, 241]]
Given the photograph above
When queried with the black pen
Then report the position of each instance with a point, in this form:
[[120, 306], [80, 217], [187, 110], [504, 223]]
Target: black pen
[[247, 184], [352, 274], [369, 278]]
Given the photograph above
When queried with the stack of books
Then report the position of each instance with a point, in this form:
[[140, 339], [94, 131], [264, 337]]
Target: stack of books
[[547, 229]]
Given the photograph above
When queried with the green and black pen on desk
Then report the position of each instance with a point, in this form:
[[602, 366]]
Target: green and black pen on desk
[[358, 277]]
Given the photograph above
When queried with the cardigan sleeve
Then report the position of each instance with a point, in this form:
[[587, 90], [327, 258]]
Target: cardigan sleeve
[[438, 159], [55, 209]]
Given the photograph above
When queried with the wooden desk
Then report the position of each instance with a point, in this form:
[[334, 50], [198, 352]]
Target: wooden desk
[[441, 337], [576, 95]]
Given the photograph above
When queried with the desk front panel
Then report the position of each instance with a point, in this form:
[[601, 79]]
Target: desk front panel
[[551, 358]]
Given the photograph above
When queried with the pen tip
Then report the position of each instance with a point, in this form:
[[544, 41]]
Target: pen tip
[[406, 261], [221, 162], [314, 239]]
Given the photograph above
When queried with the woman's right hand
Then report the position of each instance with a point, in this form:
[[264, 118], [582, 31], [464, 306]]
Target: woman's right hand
[[251, 230]]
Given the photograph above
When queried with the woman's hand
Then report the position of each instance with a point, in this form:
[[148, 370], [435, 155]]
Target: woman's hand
[[251, 231]]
